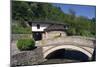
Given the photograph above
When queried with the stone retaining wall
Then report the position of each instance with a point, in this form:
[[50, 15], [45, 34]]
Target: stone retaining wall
[[20, 36], [24, 58]]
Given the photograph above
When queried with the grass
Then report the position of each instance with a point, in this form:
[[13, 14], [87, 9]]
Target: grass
[[21, 30]]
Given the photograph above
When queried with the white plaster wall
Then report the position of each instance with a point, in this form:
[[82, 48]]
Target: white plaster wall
[[42, 27]]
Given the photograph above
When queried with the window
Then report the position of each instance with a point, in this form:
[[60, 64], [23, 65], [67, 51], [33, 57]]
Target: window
[[38, 26], [64, 26]]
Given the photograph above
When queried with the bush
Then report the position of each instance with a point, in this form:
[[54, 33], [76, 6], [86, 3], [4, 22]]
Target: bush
[[84, 33], [25, 44], [71, 31]]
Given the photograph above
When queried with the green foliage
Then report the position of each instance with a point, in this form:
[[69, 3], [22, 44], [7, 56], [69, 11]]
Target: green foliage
[[78, 25], [18, 28], [25, 44], [71, 31], [84, 33], [21, 30]]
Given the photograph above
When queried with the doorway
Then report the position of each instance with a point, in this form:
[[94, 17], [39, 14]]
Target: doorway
[[37, 36]]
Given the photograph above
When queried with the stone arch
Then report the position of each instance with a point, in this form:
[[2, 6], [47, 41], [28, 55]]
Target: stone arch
[[67, 47]]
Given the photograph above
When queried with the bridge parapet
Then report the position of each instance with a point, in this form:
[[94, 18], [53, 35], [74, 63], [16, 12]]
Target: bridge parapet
[[84, 45], [67, 40]]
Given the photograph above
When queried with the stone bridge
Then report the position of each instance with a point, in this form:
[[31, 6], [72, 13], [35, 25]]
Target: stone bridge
[[50, 47], [76, 43]]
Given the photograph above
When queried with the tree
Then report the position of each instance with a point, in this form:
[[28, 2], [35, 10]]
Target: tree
[[93, 19], [78, 25], [71, 31], [72, 14]]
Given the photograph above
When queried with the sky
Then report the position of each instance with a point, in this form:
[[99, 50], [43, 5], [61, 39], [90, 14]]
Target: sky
[[80, 10]]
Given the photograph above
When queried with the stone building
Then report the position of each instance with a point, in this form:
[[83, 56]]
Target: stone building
[[47, 29]]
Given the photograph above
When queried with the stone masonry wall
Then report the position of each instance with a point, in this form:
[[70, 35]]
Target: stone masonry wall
[[20, 36], [24, 58], [53, 34]]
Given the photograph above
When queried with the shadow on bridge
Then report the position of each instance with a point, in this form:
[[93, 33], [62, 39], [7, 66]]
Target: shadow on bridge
[[68, 54]]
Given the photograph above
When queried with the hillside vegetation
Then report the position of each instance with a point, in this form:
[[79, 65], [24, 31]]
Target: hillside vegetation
[[30, 11]]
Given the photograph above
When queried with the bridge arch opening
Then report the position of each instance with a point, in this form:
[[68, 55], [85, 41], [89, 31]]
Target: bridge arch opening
[[68, 52]]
